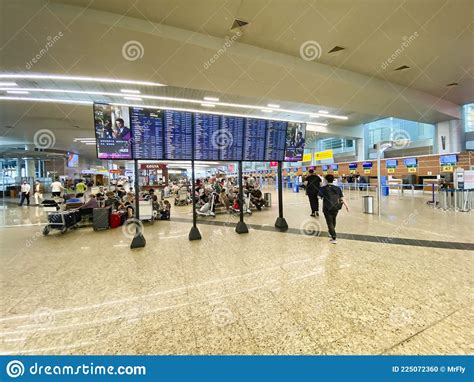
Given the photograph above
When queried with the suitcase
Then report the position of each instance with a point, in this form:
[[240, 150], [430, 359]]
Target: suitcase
[[72, 206], [115, 220], [100, 218], [268, 199]]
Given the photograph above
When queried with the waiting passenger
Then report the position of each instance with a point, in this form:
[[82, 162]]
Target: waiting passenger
[[333, 200], [313, 184]]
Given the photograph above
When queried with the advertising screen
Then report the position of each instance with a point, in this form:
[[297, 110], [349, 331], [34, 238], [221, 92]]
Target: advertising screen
[[72, 160], [230, 138], [254, 139], [325, 167], [295, 141], [367, 165], [206, 136], [178, 135], [448, 160], [391, 163], [275, 140], [147, 132], [112, 132], [352, 166], [334, 167], [410, 162]]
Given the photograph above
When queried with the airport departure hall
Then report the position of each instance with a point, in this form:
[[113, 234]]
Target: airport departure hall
[[236, 177]]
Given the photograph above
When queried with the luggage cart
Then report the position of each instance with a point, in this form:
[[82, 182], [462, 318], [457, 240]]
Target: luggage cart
[[62, 221]]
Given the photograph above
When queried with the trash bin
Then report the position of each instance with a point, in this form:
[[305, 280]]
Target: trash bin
[[368, 204], [268, 199]]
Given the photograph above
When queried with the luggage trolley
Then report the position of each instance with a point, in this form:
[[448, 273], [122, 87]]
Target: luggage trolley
[[62, 221]]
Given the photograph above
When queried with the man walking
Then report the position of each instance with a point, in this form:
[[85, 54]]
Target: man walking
[[39, 191], [25, 193], [313, 184], [333, 200]]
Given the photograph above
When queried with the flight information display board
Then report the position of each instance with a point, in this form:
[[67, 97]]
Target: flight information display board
[[230, 138], [295, 141], [254, 139], [206, 136], [178, 135], [275, 140], [147, 130], [112, 131]]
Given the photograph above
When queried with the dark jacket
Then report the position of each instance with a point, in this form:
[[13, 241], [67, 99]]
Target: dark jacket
[[314, 183]]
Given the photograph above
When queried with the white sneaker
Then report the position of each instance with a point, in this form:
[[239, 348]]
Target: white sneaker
[[333, 241]]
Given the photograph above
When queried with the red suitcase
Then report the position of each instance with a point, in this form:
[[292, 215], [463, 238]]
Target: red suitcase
[[115, 220]]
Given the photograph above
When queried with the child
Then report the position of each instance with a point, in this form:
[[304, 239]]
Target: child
[[165, 212]]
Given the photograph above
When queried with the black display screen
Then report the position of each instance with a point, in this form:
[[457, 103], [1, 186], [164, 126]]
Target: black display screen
[[147, 130], [178, 135], [206, 131], [275, 140], [254, 139], [231, 138], [295, 142]]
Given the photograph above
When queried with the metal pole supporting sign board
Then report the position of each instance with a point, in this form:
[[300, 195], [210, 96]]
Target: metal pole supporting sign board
[[280, 222], [138, 240], [241, 226], [194, 234]]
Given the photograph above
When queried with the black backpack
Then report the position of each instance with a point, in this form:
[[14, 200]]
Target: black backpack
[[334, 200]]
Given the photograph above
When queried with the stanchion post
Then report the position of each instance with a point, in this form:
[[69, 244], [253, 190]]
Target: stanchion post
[[241, 226], [138, 240], [280, 223]]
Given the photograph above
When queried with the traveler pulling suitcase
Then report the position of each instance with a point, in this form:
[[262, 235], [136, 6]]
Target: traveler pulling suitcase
[[100, 218]]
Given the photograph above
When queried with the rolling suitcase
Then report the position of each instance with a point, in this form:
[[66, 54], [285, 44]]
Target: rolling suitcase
[[100, 218]]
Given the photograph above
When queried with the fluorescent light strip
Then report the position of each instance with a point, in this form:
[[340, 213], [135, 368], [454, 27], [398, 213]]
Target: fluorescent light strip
[[323, 112], [8, 84], [205, 104], [148, 107], [163, 98], [274, 105], [213, 99], [17, 92], [79, 78], [130, 91], [133, 98], [266, 110]]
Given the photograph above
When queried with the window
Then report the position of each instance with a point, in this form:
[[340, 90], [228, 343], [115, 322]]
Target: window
[[468, 116]]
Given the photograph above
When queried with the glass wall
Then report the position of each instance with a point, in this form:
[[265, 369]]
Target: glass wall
[[468, 117]]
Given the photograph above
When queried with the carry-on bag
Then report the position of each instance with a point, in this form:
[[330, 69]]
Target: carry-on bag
[[100, 218]]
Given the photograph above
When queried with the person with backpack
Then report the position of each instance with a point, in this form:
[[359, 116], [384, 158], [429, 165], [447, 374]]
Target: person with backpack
[[313, 184], [333, 200]]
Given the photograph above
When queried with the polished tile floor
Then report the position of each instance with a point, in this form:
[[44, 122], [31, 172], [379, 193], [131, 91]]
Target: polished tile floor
[[385, 288]]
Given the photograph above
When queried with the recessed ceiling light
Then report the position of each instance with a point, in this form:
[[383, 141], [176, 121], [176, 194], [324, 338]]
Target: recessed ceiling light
[[8, 84], [453, 84], [323, 112], [274, 105], [131, 91], [17, 92], [214, 99], [133, 98], [207, 104]]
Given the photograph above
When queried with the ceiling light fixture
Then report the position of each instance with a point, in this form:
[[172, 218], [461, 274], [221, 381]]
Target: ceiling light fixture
[[8, 84], [79, 78], [133, 98], [131, 91], [323, 112], [266, 110], [17, 92], [206, 104], [213, 99], [274, 105], [76, 102]]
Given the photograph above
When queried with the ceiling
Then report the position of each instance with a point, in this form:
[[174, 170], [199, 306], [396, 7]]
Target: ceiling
[[262, 64]]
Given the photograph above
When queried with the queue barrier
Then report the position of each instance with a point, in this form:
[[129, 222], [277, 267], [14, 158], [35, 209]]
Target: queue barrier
[[454, 199]]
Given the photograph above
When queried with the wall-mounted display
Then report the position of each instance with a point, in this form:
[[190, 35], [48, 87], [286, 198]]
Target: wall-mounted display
[[206, 136], [335, 167], [72, 160], [367, 165], [178, 135], [410, 162], [448, 160], [230, 138], [391, 163], [352, 166], [275, 140], [295, 142], [112, 131], [147, 131], [254, 139]]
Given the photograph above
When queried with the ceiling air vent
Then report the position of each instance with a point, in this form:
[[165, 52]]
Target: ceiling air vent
[[403, 67], [238, 24], [453, 84], [337, 48]]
